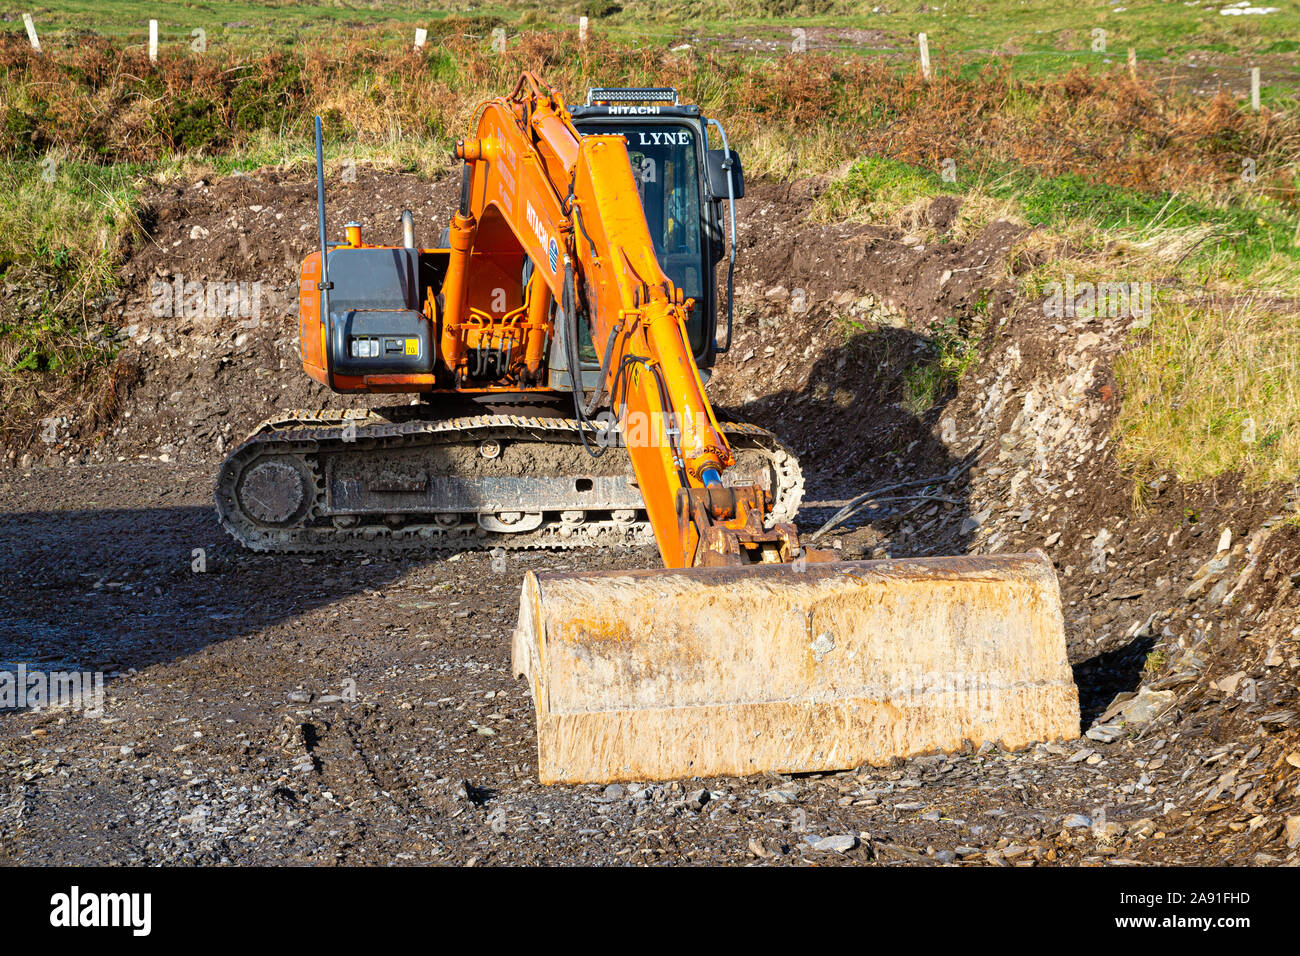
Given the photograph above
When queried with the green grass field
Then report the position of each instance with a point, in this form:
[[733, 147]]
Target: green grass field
[[1042, 37]]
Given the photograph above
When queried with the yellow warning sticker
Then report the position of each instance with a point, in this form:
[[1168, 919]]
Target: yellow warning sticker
[[412, 346]]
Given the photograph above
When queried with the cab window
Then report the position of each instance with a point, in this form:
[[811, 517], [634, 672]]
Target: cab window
[[666, 168]]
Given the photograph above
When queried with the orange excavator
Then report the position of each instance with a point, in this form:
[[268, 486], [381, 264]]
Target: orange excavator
[[554, 340]]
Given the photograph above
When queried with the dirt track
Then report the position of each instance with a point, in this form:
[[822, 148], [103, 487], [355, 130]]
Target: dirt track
[[231, 732]]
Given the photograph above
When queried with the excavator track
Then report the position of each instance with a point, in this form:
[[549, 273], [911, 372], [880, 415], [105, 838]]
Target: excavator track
[[395, 479]]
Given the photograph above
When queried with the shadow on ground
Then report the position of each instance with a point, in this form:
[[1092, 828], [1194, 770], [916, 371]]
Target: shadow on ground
[[1106, 675], [115, 589], [866, 417]]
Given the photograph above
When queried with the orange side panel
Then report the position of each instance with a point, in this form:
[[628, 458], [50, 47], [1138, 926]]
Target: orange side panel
[[311, 341], [310, 333]]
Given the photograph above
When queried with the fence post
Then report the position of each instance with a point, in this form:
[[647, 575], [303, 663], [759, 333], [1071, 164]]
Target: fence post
[[1254, 88], [925, 55], [31, 32], [153, 41]]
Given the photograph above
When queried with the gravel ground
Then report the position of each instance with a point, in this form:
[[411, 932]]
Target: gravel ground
[[285, 710]]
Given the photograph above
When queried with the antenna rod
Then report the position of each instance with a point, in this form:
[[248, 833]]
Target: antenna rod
[[324, 285]]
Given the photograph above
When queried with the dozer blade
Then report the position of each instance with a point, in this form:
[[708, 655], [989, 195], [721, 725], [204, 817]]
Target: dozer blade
[[656, 675]]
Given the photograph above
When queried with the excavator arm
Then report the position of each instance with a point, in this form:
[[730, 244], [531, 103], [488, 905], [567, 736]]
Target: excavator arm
[[571, 202]]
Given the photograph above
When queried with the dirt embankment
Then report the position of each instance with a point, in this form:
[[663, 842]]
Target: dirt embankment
[[207, 362], [1189, 604]]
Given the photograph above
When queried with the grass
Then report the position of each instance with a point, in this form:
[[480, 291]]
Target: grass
[[1243, 238], [876, 188], [793, 114], [1155, 660], [425, 156], [249, 24], [68, 214], [773, 153], [62, 227], [951, 353], [63, 224], [882, 190], [1044, 40], [1210, 390]]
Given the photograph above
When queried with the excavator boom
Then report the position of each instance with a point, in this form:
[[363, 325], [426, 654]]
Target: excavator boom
[[572, 203]]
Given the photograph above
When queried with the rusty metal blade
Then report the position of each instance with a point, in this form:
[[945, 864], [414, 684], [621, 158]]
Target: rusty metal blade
[[652, 675]]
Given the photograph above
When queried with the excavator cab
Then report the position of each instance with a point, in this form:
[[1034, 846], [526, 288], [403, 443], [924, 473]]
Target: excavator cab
[[688, 190]]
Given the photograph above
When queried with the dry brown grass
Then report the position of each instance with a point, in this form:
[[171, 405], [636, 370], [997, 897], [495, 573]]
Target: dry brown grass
[[1211, 388], [797, 115], [49, 409]]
